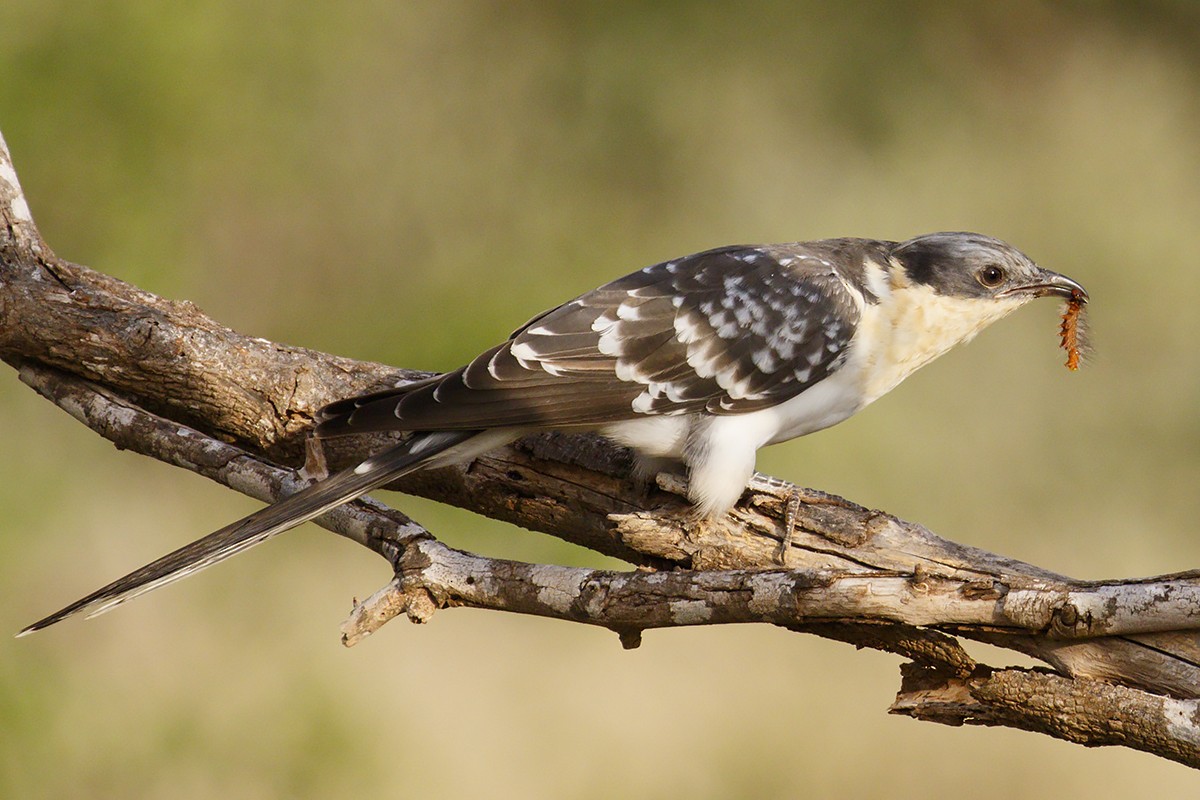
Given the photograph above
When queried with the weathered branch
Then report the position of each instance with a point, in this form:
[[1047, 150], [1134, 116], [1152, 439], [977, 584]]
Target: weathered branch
[[160, 378], [1079, 710]]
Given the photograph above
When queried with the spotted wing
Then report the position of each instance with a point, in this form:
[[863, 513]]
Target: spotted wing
[[725, 331]]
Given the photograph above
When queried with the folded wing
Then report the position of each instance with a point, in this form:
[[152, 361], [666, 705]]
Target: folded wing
[[725, 331]]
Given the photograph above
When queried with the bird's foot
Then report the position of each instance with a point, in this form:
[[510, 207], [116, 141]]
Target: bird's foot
[[790, 510], [791, 496]]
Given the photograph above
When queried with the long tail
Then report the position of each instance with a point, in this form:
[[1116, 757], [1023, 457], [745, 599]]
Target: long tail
[[263, 524]]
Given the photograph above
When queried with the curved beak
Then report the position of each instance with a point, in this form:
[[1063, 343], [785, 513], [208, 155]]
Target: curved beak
[[1047, 284]]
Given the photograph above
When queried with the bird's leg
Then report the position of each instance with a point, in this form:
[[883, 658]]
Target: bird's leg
[[791, 510], [791, 496], [315, 468]]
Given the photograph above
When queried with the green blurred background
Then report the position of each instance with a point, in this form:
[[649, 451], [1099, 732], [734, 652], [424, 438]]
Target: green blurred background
[[405, 182]]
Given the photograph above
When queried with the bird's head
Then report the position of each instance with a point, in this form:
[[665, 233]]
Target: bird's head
[[973, 266], [944, 288]]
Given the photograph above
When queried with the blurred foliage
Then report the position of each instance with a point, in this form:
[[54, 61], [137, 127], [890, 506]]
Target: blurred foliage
[[406, 182]]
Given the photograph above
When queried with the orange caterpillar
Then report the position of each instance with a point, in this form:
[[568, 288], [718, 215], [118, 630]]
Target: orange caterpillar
[[1072, 333]]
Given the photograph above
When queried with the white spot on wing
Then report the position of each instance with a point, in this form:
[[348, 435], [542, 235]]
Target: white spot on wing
[[522, 352], [603, 322], [609, 343], [729, 330], [765, 360], [627, 371], [686, 331], [629, 312]]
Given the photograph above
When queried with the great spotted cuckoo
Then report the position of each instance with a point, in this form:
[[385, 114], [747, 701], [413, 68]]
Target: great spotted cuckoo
[[697, 361]]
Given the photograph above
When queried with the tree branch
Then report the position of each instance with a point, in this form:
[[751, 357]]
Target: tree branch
[[1079, 710], [160, 378]]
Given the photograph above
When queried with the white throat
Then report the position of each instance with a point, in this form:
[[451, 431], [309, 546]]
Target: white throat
[[912, 324]]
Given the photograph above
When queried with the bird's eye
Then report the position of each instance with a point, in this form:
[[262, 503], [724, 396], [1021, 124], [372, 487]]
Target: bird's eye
[[990, 276]]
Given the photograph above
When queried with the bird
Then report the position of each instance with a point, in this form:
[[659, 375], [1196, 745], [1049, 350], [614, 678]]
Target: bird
[[696, 362]]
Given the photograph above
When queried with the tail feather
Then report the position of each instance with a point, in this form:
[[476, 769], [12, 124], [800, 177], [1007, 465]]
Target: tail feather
[[263, 524]]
